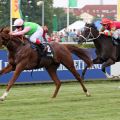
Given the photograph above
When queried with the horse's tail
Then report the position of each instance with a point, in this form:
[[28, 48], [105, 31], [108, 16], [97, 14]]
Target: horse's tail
[[81, 53]]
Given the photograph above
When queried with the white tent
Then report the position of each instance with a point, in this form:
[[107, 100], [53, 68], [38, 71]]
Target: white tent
[[76, 25]]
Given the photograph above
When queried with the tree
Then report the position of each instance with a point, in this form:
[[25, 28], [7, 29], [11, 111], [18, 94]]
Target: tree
[[28, 9], [62, 18], [34, 12], [4, 13]]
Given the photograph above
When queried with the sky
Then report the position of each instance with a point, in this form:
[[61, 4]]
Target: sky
[[81, 3]]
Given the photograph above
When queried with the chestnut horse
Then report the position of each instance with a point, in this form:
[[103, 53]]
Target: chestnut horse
[[24, 57]]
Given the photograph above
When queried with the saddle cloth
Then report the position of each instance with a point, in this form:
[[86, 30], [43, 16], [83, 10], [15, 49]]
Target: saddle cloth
[[48, 50]]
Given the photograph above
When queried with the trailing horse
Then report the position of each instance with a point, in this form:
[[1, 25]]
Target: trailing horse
[[24, 57], [107, 53]]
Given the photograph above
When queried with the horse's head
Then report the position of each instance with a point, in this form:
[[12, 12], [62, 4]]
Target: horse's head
[[1, 37], [88, 33], [4, 35]]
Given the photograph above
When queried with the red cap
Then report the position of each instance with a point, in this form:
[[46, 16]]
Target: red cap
[[105, 21]]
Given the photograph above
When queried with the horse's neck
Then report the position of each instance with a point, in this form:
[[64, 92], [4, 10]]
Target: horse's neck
[[103, 41], [11, 44]]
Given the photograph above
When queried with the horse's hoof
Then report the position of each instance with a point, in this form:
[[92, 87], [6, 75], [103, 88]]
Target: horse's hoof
[[88, 94], [53, 96], [114, 77], [2, 99]]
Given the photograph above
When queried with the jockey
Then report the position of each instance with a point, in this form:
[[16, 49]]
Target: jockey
[[110, 28], [45, 31], [32, 30]]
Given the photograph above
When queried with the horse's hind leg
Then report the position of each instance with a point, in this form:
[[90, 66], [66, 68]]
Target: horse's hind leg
[[77, 76], [106, 64], [7, 69], [68, 63], [52, 72]]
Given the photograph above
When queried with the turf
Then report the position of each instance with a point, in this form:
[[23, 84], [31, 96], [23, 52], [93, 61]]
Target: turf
[[33, 102]]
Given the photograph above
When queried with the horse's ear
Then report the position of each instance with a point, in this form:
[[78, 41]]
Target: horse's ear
[[1, 29], [87, 24], [6, 30]]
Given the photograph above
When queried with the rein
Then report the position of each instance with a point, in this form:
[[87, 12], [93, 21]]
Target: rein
[[8, 41], [88, 39]]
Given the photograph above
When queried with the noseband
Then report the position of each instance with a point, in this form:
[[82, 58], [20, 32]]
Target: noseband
[[88, 39]]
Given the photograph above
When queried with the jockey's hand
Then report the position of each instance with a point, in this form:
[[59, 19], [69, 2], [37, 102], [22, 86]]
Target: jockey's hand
[[101, 32], [11, 33]]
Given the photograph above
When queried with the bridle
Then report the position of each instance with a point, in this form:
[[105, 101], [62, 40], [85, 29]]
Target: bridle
[[8, 42], [88, 39]]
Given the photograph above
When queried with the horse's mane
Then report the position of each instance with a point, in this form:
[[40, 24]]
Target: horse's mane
[[91, 25], [5, 30], [17, 39]]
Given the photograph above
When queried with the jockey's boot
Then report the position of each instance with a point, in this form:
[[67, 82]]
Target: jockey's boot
[[50, 54], [45, 51], [42, 48], [115, 41]]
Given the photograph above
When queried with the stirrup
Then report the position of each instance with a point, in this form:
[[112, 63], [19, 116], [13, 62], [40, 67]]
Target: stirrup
[[115, 42], [50, 54], [45, 49]]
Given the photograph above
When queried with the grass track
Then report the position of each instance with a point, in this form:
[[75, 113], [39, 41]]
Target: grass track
[[33, 102]]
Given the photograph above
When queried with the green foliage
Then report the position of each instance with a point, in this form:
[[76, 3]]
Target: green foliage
[[34, 13], [31, 10], [62, 18], [86, 45], [4, 13]]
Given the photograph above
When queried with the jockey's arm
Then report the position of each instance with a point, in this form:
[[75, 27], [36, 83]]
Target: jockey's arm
[[101, 29], [25, 30], [110, 32]]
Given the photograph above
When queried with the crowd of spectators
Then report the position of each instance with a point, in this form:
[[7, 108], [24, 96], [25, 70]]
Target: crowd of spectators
[[70, 35]]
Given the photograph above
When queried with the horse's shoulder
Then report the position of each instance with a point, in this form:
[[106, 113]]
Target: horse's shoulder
[[6, 30]]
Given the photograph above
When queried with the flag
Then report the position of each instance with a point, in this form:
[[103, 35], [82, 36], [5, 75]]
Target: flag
[[15, 9], [72, 3], [15, 12], [118, 10], [55, 24]]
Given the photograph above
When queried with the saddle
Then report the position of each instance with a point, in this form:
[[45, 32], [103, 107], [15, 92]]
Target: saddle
[[48, 49], [44, 50]]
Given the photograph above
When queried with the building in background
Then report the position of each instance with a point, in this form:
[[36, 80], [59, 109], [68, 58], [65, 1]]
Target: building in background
[[89, 12], [86, 17]]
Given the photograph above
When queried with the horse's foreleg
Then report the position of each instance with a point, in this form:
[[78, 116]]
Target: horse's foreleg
[[106, 64], [52, 72], [7, 69], [16, 74], [83, 72], [95, 61]]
